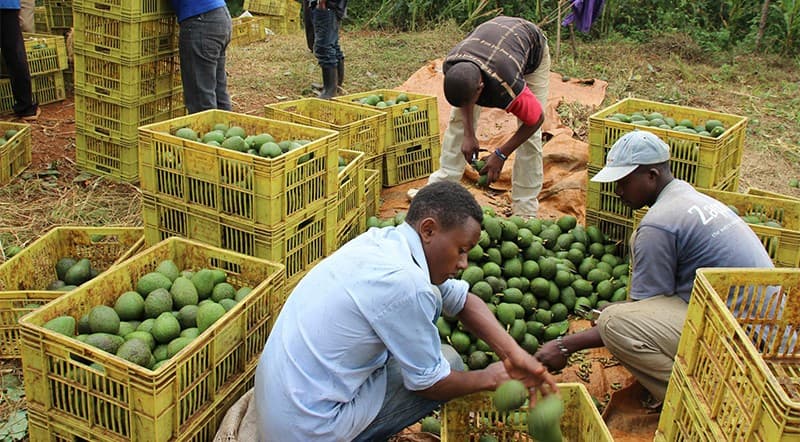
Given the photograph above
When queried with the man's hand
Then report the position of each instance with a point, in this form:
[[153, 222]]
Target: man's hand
[[469, 147], [550, 355], [322, 4], [524, 367], [493, 167]]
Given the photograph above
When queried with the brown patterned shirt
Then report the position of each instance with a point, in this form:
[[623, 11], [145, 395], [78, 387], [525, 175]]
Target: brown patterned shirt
[[505, 49]]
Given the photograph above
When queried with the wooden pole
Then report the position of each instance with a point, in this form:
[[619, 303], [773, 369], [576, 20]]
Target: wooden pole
[[762, 24], [572, 40]]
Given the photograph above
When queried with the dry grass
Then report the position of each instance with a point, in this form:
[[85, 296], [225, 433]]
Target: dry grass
[[29, 207]]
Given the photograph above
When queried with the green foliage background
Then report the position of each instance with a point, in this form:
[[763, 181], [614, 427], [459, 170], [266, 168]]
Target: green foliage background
[[716, 25]]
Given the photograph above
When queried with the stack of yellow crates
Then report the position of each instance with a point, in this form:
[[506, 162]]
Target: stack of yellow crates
[[282, 16]]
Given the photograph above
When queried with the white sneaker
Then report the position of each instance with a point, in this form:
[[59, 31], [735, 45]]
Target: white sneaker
[[411, 194]]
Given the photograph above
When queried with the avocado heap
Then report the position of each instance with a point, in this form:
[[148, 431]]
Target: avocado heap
[[168, 309], [71, 274], [532, 274], [235, 138], [379, 101], [710, 128], [7, 136]]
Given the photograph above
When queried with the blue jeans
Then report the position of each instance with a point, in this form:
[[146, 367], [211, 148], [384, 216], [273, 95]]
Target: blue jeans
[[326, 37], [203, 41], [402, 407]]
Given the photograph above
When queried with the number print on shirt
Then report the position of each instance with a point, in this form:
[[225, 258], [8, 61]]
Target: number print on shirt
[[708, 212]]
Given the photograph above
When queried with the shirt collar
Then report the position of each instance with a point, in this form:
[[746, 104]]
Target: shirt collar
[[415, 245]]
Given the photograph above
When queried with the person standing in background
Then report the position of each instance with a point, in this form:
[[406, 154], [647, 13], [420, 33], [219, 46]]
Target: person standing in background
[[13, 49], [27, 9], [503, 64], [205, 32], [326, 16]]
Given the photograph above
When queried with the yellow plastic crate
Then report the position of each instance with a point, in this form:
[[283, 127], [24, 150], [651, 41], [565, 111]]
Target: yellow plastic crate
[[782, 244], [702, 161], [45, 53], [372, 184], [684, 418], [617, 229], [298, 244], [47, 88], [59, 14], [101, 115], [248, 30], [125, 10], [40, 20], [15, 153], [248, 188], [411, 161], [120, 400], [760, 192], [470, 417], [125, 41], [403, 128], [202, 428], [126, 82], [102, 155], [351, 195], [359, 128], [24, 278], [748, 391], [354, 226], [266, 7]]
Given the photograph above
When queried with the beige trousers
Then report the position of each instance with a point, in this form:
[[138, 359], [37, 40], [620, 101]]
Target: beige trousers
[[26, 12], [528, 173], [644, 336]]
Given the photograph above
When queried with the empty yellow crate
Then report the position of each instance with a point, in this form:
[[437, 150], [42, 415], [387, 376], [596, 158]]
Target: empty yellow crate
[[15, 153], [749, 391], [47, 88], [125, 82], [248, 30], [470, 417], [403, 126], [782, 244], [252, 189], [351, 195], [684, 418], [411, 161], [132, 41], [298, 244], [40, 20], [79, 386], [702, 161], [373, 185]]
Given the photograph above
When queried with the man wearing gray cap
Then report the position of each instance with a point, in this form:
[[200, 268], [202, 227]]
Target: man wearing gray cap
[[682, 231]]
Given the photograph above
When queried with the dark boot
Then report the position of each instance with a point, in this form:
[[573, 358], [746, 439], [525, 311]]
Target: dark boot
[[329, 80], [340, 71]]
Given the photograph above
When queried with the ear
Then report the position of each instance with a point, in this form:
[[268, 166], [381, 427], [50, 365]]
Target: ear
[[428, 228]]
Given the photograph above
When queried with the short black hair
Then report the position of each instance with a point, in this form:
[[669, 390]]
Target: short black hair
[[447, 202], [461, 82]]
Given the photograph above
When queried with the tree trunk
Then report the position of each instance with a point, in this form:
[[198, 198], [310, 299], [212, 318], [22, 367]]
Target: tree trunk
[[762, 24]]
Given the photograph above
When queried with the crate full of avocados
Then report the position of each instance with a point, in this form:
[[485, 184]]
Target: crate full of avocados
[[54, 264], [258, 171], [705, 147], [146, 349]]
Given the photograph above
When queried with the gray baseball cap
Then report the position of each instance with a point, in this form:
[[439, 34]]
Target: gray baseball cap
[[629, 152]]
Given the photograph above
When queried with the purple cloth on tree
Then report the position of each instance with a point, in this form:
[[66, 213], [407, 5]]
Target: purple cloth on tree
[[584, 12]]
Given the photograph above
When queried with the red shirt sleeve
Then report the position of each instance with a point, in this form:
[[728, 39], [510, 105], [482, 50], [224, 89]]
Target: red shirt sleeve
[[526, 107]]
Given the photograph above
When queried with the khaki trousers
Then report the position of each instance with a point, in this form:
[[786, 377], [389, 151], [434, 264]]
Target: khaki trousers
[[528, 172], [644, 336]]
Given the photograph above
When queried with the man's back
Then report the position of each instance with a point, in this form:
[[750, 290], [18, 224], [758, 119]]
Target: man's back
[[686, 230]]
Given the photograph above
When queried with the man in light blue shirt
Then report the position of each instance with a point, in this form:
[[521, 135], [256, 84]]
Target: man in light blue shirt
[[355, 353], [682, 231]]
